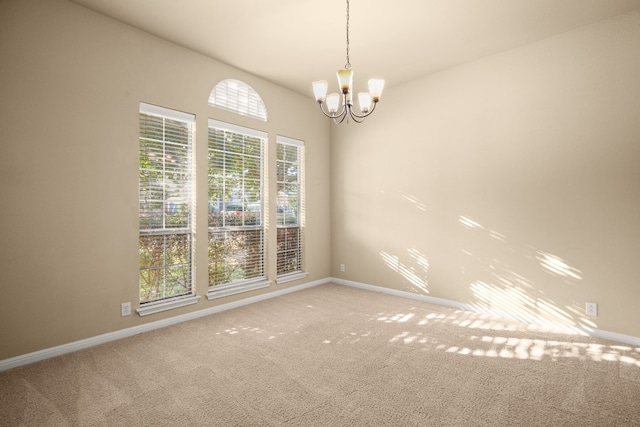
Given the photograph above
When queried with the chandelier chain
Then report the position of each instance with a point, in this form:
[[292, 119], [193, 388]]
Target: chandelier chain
[[348, 64]]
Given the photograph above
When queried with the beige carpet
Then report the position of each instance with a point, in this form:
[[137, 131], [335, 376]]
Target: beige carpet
[[333, 356]]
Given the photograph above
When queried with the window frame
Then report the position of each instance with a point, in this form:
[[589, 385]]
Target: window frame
[[243, 284], [189, 296], [299, 272]]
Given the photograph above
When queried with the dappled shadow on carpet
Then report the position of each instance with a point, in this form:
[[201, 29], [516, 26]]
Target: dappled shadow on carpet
[[333, 356]]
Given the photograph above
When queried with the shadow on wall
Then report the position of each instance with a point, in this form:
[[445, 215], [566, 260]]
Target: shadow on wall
[[413, 266], [502, 289], [504, 278], [415, 274]]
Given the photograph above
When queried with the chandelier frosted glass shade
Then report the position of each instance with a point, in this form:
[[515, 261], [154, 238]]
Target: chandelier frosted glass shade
[[375, 89], [320, 90], [345, 80], [333, 102]]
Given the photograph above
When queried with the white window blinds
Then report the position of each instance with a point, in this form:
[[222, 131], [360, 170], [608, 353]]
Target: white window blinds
[[238, 97]]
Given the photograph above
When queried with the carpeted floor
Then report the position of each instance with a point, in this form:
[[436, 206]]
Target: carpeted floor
[[333, 356]]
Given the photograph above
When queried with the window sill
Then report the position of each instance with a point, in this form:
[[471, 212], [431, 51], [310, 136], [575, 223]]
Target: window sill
[[220, 291], [290, 277], [153, 308]]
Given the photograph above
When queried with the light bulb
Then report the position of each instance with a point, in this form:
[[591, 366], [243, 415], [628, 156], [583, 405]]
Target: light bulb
[[333, 102], [364, 99]]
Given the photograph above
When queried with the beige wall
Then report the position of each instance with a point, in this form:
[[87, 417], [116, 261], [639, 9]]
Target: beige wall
[[511, 183], [70, 84]]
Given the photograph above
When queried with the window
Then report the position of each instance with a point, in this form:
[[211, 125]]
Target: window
[[235, 204], [289, 210], [165, 209], [238, 97], [239, 203]]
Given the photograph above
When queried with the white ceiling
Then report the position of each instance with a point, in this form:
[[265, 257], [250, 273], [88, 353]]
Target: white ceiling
[[293, 42]]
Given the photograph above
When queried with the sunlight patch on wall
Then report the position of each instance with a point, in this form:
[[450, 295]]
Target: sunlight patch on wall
[[506, 276], [415, 276], [421, 260], [509, 300], [498, 236], [557, 266], [469, 223], [415, 201], [499, 288], [517, 303]]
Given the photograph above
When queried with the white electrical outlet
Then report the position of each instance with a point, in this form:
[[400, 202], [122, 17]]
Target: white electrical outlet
[[591, 309], [342, 269], [125, 309]]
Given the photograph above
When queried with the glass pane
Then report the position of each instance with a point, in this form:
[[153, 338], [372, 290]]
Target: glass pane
[[176, 131], [151, 215], [235, 255], [287, 205], [234, 143], [165, 262], [216, 139], [151, 126], [291, 173], [151, 251], [251, 168], [252, 146], [288, 250]]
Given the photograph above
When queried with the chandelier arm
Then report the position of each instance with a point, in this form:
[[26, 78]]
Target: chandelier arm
[[332, 116], [362, 116], [344, 116], [355, 117]]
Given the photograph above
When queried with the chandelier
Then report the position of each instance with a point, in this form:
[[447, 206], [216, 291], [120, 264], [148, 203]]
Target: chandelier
[[366, 100]]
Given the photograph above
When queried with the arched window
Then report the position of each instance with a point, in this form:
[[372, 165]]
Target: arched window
[[238, 97]]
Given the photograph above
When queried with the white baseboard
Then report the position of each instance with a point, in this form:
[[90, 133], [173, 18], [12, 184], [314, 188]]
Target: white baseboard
[[47, 353], [598, 333], [37, 356]]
